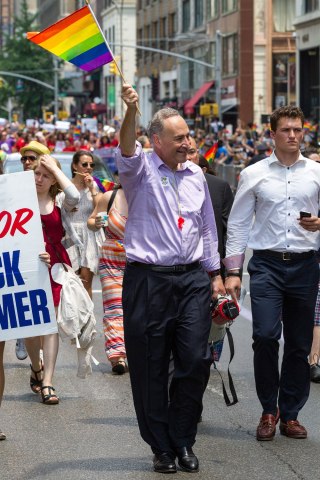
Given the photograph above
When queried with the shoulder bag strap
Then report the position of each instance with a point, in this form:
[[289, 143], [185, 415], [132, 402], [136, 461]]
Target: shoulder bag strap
[[114, 193]]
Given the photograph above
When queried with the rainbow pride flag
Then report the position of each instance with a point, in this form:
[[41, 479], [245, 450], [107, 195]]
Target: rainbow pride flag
[[104, 184], [76, 39], [211, 153]]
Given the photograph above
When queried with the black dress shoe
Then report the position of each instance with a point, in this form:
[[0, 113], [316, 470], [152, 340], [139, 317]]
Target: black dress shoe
[[315, 373], [164, 463], [187, 459]]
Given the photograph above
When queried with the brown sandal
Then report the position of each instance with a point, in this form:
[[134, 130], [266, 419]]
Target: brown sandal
[[35, 383], [50, 398]]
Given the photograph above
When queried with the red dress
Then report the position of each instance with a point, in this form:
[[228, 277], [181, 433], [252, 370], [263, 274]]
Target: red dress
[[53, 233]]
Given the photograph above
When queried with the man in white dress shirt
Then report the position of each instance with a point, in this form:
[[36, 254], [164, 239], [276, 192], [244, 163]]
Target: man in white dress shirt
[[283, 270]]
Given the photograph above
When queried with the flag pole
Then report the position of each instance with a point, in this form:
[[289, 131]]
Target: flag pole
[[106, 42]]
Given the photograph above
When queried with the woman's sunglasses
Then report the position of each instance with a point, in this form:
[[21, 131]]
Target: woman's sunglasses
[[88, 164], [31, 158]]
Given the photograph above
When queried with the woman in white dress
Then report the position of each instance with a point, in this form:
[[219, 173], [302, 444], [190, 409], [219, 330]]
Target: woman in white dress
[[84, 255]]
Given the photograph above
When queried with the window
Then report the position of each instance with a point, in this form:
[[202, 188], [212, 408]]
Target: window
[[174, 88], [172, 28], [191, 70], [155, 38], [228, 6], [185, 15], [166, 89], [284, 80], [311, 5], [147, 40], [163, 34], [283, 15], [139, 43], [210, 58], [212, 9], [198, 13], [230, 55]]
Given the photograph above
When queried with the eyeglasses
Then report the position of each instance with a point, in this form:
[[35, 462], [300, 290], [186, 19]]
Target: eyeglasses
[[31, 158], [88, 164]]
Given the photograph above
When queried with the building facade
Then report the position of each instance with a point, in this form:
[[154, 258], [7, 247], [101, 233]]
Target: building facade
[[274, 57], [156, 77], [119, 26], [307, 25]]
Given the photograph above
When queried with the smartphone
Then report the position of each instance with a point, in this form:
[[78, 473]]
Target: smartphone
[[305, 214]]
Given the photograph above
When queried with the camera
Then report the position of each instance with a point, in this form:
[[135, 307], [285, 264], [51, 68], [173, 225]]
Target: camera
[[224, 310]]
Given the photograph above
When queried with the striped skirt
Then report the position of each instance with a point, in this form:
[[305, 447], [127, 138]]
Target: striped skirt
[[111, 268]]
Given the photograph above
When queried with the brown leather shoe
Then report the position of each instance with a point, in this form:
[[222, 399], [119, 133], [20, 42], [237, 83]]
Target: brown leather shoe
[[267, 427], [293, 429]]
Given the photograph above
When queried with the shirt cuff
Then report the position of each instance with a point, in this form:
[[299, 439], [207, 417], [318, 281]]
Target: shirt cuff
[[235, 261], [210, 264]]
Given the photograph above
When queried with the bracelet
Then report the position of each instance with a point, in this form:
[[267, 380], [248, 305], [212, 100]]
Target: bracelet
[[233, 274], [214, 273], [94, 194]]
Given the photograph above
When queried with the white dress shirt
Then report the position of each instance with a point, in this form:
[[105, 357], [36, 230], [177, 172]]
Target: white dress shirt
[[266, 208]]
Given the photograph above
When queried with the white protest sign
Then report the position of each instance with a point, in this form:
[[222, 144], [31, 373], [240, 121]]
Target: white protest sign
[[26, 305], [32, 123], [90, 124], [62, 125]]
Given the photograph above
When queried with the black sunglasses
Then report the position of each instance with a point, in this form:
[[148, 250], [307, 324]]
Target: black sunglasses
[[28, 157], [88, 164]]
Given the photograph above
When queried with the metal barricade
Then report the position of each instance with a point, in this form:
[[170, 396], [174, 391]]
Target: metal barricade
[[229, 173]]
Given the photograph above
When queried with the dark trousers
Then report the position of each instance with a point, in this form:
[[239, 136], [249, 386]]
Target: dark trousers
[[164, 313], [282, 293]]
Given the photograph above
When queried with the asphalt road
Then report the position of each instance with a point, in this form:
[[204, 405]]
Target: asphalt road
[[92, 434]]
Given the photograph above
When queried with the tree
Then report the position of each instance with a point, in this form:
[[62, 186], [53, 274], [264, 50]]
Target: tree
[[19, 55]]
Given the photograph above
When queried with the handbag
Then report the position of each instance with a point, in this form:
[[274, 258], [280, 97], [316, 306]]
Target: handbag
[[75, 316]]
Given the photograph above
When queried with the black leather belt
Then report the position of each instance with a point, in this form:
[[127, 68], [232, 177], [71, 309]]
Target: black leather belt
[[166, 269], [285, 256]]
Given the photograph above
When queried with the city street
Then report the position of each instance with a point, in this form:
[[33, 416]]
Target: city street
[[93, 433]]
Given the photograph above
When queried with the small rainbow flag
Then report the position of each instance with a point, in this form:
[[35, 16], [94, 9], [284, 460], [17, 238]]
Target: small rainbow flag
[[76, 133], [76, 39], [211, 153], [104, 184]]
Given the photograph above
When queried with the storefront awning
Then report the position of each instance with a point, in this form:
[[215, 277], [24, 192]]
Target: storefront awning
[[95, 108], [189, 105]]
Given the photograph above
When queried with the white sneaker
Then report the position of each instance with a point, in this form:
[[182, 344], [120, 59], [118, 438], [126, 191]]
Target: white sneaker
[[21, 352]]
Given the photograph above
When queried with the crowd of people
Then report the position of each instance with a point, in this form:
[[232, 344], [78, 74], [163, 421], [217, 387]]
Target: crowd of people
[[167, 241], [13, 138]]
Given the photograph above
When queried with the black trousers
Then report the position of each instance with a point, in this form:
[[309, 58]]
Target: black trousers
[[164, 313], [282, 293]]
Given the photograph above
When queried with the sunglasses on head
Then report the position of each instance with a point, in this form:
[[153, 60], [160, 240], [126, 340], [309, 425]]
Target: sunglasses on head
[[31, 158], [88, 164]]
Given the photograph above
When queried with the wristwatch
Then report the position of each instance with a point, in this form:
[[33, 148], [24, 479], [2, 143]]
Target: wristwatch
[[214, 273], [233, 274]]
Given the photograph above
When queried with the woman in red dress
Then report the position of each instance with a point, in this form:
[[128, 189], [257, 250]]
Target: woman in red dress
[[50, 180]]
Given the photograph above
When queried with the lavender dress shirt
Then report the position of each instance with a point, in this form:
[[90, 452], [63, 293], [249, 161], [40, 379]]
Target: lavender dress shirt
[[156, 197]]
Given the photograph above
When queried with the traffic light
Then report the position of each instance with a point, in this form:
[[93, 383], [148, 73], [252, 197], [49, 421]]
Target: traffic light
[[207, 109], [113, 67]]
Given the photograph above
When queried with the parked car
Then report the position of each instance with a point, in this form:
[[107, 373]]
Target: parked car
[[108, 156], [12, 164]]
